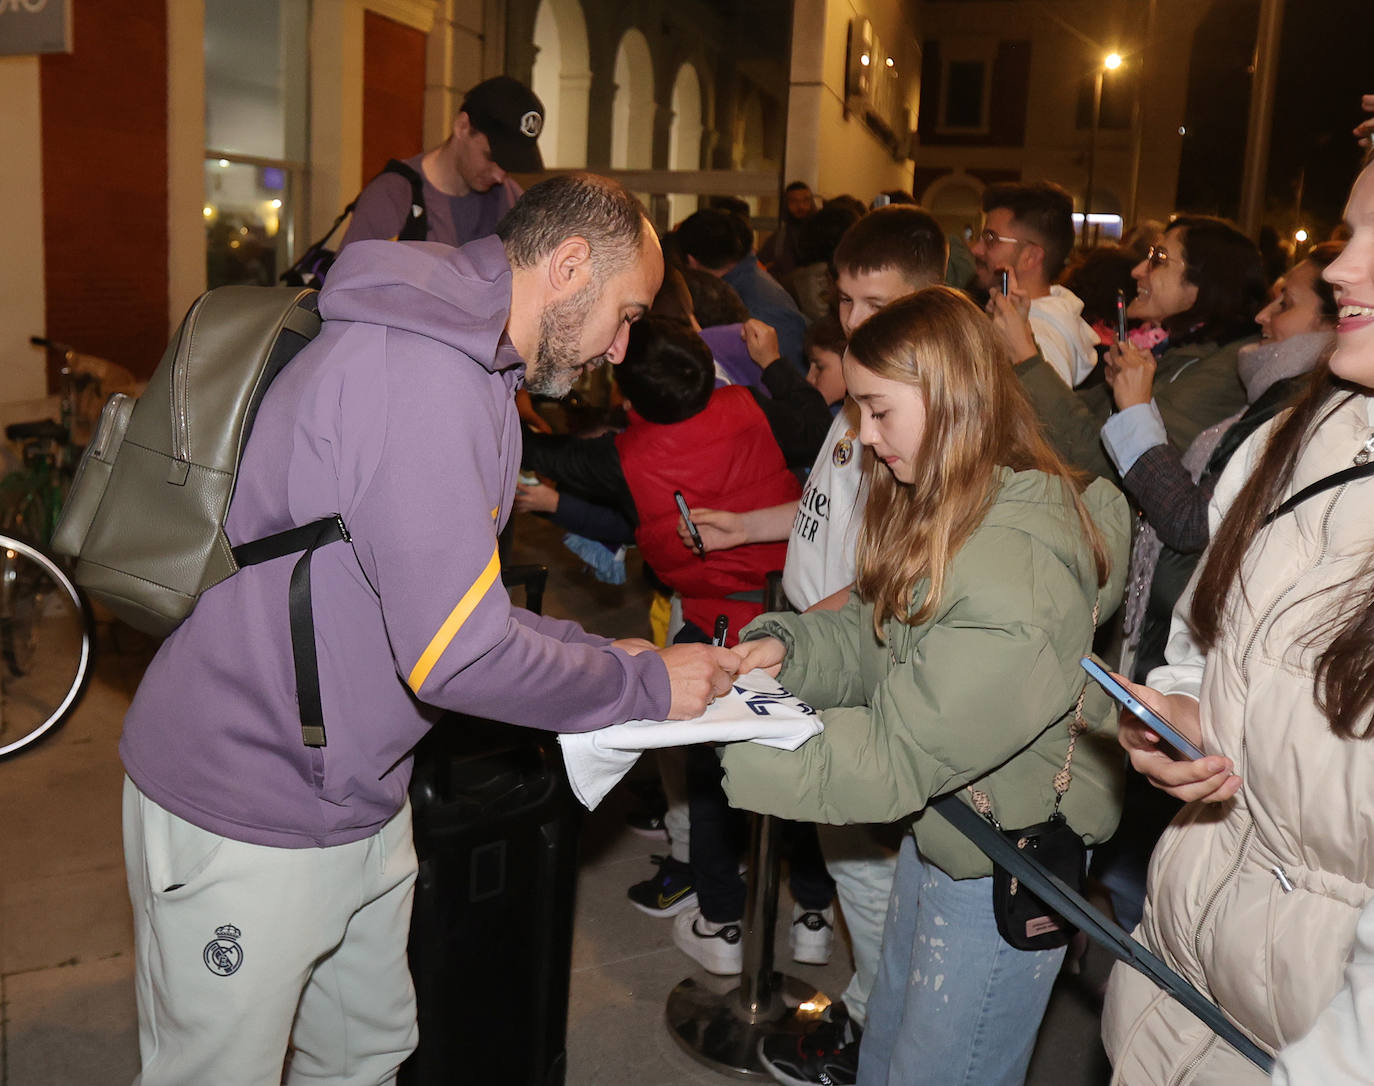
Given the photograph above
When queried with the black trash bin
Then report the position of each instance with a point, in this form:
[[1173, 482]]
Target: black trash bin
[[496, 833]]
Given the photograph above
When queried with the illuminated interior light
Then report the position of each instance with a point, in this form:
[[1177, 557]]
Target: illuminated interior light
[[276, 204], [1112, 61], [864, 60], [1300, 236], [224, 164]]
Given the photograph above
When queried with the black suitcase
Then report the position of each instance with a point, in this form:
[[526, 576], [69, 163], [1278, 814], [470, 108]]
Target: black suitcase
[[496, 833]]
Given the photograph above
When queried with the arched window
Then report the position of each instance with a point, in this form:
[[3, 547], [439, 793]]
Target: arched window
[[562, 79], [632, 116], [684, 137], [751, 153]]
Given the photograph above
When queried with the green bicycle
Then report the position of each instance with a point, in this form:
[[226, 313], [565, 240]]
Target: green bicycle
[[46, 624], [31, 496]]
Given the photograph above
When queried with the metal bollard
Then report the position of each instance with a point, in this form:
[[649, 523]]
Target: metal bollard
[[720, 1023]]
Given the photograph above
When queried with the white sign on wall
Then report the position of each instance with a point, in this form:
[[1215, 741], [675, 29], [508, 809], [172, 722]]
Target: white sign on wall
[[35, 26]]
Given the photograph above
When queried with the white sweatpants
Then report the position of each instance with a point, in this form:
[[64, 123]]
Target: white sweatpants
[[243, 949], [863, 867]]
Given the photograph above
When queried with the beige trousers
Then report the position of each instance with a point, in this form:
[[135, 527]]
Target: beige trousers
[[245, 952]]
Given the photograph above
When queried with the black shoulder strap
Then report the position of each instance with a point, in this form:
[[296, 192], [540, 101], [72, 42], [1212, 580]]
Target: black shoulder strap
[[416, 226], [1076, 909], [307, 538], [1335, 479]]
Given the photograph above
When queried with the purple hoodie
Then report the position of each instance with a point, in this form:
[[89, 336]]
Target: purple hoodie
[[399, 416]]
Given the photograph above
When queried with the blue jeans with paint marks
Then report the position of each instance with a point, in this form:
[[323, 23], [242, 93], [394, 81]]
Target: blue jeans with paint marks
[[953, 1003]]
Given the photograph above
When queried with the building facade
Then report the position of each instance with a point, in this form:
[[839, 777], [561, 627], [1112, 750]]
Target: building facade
[[1008, 92], [181, 143]]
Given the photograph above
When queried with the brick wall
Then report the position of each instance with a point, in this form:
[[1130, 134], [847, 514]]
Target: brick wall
[[104, 118], [393, 92]]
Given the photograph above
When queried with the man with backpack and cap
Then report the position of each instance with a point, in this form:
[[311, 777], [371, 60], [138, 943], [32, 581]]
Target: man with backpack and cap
[[270, 863], [465, 181]]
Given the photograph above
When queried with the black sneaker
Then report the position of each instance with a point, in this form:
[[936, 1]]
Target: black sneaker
[[667, 893], [827, 1056]]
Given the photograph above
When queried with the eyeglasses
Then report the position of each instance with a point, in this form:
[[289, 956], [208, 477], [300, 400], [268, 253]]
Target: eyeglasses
[[1157, 256], [992, 237]]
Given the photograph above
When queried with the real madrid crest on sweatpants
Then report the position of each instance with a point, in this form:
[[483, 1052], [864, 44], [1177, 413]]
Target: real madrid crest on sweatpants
[[223, 955]]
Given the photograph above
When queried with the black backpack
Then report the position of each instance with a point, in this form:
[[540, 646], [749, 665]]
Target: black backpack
[[315, 262]]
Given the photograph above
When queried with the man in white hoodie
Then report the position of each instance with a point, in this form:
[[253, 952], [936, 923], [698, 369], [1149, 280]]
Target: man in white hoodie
[[1028, 229]]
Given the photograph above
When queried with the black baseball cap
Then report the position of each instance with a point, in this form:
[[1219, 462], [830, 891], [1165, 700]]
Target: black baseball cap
[[511, 116]]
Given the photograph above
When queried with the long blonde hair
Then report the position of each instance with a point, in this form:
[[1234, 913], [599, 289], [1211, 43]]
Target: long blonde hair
[[977, 419]]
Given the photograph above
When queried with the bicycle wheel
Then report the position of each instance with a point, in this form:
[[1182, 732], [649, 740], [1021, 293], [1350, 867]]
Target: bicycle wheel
[[46, 643]]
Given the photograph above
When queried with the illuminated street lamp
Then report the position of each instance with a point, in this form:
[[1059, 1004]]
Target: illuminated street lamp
[[1111, 62]]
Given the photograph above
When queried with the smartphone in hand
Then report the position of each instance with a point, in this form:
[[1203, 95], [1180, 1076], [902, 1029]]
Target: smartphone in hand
[[1147, 716], [1121, 316], [1004, 280], [687, 519]]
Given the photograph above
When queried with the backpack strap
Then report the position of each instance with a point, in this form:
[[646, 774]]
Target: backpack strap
[[307, 538], [416, 226], [1337, 478], [1078, 911]]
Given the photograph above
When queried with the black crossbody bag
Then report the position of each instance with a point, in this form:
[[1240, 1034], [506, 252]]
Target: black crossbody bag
[[1069, 902], [1024, 919]]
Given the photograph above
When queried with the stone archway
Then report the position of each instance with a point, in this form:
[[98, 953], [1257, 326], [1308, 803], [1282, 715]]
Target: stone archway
[[684, 136], [956, 202], [562, 78], [632, 114]]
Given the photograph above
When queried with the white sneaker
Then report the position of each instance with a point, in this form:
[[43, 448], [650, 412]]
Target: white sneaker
[[717, 948], [812, 934]]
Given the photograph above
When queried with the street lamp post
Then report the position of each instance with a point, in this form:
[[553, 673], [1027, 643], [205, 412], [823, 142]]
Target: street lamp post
[[1111, 62]]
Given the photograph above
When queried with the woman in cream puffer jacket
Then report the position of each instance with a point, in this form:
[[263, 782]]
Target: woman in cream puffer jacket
[[1254, 896]]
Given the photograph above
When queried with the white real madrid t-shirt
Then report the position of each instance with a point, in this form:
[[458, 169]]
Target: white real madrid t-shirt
[[820, 549]]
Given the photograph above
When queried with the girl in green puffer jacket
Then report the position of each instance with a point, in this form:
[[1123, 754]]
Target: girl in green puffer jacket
[[980, 563]]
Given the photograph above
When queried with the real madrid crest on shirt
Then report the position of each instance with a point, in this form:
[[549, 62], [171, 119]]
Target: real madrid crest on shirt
[[222, 954], [844, 449]]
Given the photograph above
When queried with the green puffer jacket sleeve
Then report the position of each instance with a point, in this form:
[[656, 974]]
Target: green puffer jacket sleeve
[[830, 640], [1072, 418], [981, 692], [967, 691]]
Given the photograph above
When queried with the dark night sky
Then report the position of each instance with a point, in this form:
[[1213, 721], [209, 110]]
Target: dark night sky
[[1324, 67]]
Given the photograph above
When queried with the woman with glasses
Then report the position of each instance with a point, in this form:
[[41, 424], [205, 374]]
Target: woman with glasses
[[1172, 490], [1201, 284], [1256, 889]]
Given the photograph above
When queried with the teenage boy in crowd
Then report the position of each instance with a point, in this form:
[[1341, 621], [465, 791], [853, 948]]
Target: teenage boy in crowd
[[888, 254], [1028, 229], [466, 184], [272, 880], [711, 241]]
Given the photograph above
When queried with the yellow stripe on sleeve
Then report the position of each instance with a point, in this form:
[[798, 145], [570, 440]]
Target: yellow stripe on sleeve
[[449, 630]]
